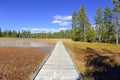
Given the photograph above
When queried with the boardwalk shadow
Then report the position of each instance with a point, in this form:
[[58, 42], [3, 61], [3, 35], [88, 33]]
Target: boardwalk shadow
[[101, 67]]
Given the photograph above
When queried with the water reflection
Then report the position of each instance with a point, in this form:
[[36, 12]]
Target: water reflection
[[45, 47]]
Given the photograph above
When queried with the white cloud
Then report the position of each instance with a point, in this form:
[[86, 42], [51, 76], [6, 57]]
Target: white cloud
[[58, 17], [62, 20], [57, 21], [67, 18], [65, 23], [44, 30], [25, 29], [63, 29], [37, 30]]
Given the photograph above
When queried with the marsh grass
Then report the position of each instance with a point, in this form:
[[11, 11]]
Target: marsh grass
[[81, 50], [18, 63]]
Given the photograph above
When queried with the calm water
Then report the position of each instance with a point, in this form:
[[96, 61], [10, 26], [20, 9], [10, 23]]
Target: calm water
[[27, 44]]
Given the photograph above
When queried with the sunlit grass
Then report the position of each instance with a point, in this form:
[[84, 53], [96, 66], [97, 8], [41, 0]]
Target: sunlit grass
[[83, 45], [78, 53]]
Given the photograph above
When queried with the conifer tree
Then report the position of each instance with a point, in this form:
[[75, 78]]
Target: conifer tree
[[84, 24], [116, 15], [108, 26], [99, 22]]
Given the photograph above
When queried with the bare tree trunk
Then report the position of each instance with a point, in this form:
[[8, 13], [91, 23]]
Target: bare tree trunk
[[99, 37], [84, 34], [117, 40]]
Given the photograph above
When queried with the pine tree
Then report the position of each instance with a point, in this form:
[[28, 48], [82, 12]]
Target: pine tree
[[14, 34], [74, 19], [91, 35], [75, 30], [84, 23], [99, 22], [0, 32], [116, 14], [108, 26]]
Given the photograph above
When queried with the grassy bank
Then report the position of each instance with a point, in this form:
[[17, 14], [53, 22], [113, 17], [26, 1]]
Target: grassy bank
[[80, 50]]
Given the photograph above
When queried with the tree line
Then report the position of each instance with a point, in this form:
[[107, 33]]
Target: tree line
[[106, 29], [63, 34], [28, 34], [13, 33]]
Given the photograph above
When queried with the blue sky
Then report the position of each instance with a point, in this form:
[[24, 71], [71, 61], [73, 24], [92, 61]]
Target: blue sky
[[45, 15]]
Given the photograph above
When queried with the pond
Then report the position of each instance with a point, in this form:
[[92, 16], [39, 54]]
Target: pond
[[46, 47]]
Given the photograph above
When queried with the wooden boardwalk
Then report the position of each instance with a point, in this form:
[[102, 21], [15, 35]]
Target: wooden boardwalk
[[59, 66]]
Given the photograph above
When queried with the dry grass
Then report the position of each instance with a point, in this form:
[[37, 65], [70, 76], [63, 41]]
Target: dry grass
[[47, 41], [17, 63], [78, 52]]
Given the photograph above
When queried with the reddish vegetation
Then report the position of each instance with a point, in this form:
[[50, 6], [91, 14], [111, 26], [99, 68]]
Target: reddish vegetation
[[20, 63]]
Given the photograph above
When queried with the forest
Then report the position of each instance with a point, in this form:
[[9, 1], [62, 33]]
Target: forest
[[106, 29], [27, 34]]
